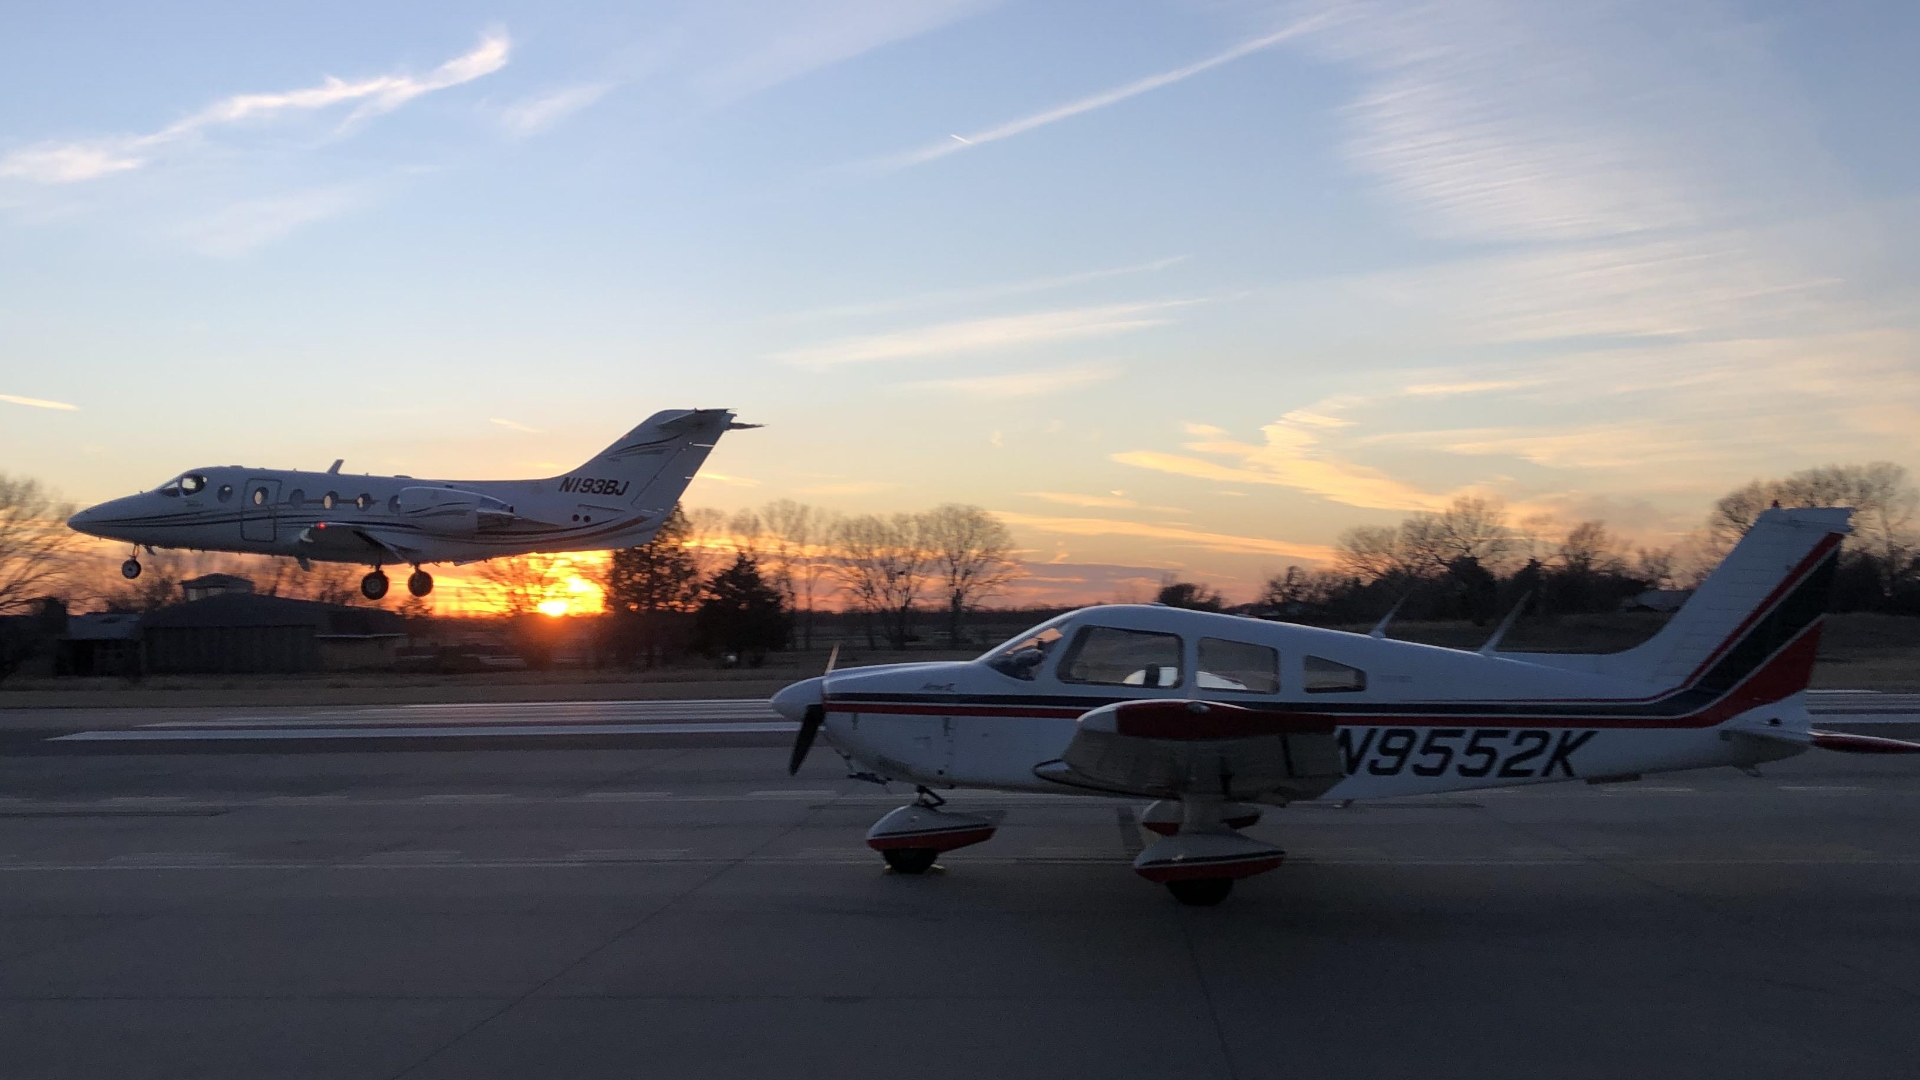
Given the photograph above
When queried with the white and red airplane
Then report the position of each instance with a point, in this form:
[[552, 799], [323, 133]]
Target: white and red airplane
[[1216, 715]]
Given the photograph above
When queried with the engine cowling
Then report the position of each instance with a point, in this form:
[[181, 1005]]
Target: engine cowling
[[451, 511]]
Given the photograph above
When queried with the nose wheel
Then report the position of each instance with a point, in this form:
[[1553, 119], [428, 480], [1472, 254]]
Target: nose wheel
[[419, 583], [374, 585], [130, 569]]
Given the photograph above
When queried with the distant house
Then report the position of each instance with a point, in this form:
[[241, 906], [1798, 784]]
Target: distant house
[[1666, 601], [105, 644], [237, 632], [215, 585]]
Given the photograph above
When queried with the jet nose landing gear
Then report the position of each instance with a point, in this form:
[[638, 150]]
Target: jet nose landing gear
[[130, 569], [419, 583], [374, 585]]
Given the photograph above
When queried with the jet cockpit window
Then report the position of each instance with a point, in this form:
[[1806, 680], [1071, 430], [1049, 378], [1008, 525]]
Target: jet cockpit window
[[193, 483], [1236, 665], [1022, 656], [171, 489], [1110, 656], [1324, 676]]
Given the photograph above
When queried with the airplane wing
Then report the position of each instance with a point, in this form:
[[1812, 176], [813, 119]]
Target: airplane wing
[[1170, 748], [347, 541]]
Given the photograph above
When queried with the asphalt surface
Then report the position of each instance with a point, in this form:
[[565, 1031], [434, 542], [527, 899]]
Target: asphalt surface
[[674, 905]]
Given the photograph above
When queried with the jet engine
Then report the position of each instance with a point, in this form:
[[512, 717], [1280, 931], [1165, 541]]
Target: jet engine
[[451, 511]]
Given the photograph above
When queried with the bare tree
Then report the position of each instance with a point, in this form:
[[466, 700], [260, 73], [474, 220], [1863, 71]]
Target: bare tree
[[973, 557], [1588, 548], [520, 582], [36, 547], [1883, 498], [1471, 528], [793, 558], [1371, 553], [884, 564], [709, 541]]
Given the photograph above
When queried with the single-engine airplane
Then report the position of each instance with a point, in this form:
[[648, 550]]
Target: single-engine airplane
[[1217, 715], [619, 498]]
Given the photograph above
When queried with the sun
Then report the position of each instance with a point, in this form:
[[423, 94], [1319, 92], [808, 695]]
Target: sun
[[555, 608]]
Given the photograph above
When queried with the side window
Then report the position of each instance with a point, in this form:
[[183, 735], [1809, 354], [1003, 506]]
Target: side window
[[1109, 656], [363, 501], [1236, 665], [226, 492], [1325, 676], [393, 504], [259, 496], [297, 498], [329, 499]]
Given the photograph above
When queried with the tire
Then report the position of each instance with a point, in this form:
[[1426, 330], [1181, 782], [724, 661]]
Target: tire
[[910, 860], [374, 585], [1201, 892], [419, 583], [130, 569]]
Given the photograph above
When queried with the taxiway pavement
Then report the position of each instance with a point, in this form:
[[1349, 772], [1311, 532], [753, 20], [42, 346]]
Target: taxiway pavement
[[676, 906]]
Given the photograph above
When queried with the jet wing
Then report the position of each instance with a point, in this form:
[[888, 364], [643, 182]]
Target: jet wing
[[355, 542], [1170, 748]]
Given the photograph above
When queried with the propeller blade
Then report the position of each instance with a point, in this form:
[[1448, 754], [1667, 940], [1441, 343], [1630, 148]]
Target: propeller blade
[[810, 722], [831, 658]]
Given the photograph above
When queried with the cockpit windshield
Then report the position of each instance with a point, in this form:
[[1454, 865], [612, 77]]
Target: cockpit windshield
[[188, 484], [1022, 656]]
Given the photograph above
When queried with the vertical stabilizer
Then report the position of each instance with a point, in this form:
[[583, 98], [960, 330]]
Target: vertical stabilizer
[[1770, 588]]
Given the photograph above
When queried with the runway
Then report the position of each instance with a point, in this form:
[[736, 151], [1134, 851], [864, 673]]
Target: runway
[[676, 906]]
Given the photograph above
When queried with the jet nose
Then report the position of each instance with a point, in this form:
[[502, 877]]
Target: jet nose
[[792, 702], [86, 520]]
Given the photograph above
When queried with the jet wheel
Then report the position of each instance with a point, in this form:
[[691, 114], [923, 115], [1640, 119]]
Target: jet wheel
[[911, 860], [374, 585], [130, 569], [419, 583], [1201, 892]]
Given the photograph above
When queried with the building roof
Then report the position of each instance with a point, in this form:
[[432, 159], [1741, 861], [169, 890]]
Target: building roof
[[247, 609], [219, 581], [109, 626]]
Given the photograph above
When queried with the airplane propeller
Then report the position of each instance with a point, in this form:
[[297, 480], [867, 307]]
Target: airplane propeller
[[811, 719]]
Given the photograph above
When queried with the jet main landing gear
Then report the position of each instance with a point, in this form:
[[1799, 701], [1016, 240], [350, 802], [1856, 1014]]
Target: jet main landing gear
[[419, 583], [374, 585]]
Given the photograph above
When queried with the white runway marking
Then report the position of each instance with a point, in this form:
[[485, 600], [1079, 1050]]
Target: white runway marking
[[468, 732]]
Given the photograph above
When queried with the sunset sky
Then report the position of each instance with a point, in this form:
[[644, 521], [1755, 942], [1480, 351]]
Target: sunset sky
[[1188, 286]]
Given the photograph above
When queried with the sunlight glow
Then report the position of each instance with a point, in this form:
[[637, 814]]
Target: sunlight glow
[[555, 608]]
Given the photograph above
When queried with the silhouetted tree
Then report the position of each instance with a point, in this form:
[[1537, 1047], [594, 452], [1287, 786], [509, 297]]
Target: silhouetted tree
[[741, 614], [647, 585], [1190, 595]]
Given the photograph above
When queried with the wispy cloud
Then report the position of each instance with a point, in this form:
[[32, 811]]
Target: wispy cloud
[[1193, 537], [1289, 457], [1102, 502], [983, 335], [944, 297], [723, 478], [240, 227], [91, 159], [38, 403], [953, 144], [538, 113], [1020, 383], [850, 487], [513, 425]]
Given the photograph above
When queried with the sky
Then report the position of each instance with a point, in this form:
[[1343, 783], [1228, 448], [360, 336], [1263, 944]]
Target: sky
[[1172, 287]]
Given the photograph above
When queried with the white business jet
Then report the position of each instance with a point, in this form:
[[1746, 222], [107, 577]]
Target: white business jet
[[620, 498], [1216, 716]]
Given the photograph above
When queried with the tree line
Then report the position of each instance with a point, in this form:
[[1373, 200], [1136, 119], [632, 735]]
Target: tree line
[[758, 579], [1471, 561]]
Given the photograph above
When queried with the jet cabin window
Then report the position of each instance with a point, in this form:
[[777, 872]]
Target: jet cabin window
[[1325, 676], [1236, 665], [1110, 656], [1022, 657], [226, 492]]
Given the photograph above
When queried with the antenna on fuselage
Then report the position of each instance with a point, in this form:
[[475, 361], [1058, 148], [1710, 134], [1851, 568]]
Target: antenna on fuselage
[[335, 467], [1506, 623], [1379, 631]]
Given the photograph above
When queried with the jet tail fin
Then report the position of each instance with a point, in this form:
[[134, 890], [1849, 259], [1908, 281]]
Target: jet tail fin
[[650, 466], [1771, 588]]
